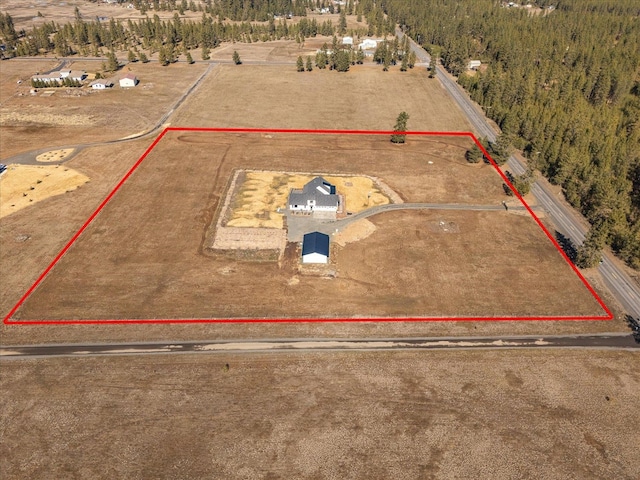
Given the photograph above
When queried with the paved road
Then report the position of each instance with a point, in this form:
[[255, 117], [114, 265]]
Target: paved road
[[567, 221], [617, 341]]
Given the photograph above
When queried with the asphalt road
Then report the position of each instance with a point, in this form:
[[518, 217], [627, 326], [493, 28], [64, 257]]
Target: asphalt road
[[615, 341], [567, 220]]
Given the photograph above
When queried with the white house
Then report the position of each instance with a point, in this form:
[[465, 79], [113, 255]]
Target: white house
[[347, 40], [316, 196], [368, 43], [101, 84], [315, 248], [129, 80], [474, 64]]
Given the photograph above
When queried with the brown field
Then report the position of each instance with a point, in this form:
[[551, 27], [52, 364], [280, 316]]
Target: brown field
[[149, 261], [23, 185], [543, 414], [53, 222], [363, 98], [85, 115]]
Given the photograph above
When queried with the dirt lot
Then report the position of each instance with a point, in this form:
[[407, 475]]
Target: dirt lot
[[411, 266], [73, 116], [500, 415]]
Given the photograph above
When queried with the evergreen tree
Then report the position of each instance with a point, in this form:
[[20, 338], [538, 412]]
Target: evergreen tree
[[131, 57], [300, 64], [189, 58], [474, 154], [236, 58], [400, 126], [309, 64], [205, 53], [143, 57]]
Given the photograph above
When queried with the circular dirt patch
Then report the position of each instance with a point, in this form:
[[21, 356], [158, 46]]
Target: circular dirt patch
[[54, 155]]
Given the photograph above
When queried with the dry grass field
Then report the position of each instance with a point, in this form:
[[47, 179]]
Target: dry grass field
[[363, 98], [144, 258], [23, 185], [81, 116], [542, 414]]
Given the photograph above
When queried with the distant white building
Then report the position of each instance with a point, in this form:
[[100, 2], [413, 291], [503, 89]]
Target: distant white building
[[128, 81], [101, 84], [347, 40], [474, 64], [367, 44]]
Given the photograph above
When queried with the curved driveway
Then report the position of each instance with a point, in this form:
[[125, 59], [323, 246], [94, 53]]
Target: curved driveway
[[29, 158]]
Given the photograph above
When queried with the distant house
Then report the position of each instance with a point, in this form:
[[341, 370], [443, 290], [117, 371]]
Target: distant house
[[101, 84], [317, 196], [474, 64], [128, 81], [57, 78], [315, 248], [367, 44], [347, 40]]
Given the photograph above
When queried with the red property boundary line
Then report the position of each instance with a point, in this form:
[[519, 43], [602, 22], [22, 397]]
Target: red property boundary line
[[7, 320]]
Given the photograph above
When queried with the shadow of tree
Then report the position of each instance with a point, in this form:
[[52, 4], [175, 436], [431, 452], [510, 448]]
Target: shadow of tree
[[567, 246]]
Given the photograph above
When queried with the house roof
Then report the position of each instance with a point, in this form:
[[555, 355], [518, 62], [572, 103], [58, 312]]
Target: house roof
[[317, 189], [129, 76], [315, 242]]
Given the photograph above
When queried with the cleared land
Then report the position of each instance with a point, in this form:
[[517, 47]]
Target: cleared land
[[363, 98], [78, 116], [499, 415], [52, 223], [144, 256], [23, 185]]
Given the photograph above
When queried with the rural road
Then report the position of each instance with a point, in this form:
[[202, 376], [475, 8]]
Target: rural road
[[564, 217], [297, 226], [29, 158], [617, 341]]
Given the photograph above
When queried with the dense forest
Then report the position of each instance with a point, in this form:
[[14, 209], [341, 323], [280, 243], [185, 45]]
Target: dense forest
[[563, 83]]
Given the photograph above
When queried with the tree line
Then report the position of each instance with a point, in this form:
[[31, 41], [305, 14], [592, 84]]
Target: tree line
[[563, 85]]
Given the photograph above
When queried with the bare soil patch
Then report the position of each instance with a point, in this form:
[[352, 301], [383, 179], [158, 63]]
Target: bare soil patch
[[404, 415], [125, 269], [54, 155]]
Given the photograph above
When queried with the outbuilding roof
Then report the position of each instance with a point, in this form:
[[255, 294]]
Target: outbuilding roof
[[315, 242]]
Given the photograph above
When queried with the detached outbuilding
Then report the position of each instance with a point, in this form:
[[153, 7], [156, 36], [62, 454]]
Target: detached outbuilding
[[128, 81], [315, 248]]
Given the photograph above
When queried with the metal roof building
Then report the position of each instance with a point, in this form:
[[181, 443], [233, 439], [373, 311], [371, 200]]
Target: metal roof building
[[315, 248]]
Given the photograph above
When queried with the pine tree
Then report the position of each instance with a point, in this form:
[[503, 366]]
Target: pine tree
[[143, 57], [205, 53], [401, 126], [300, 64], [189, 58], [309, 64], [236, 58]]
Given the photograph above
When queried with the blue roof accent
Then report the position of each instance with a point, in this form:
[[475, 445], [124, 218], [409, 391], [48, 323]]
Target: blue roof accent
[[315, 242]]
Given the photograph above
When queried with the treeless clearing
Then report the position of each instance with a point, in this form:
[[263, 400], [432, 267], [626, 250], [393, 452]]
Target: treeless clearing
[[363, 98], [437, 414], [24, 185], [85, 115], [409, 267]]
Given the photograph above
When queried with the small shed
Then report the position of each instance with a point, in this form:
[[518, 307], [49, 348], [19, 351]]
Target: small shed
[[128, 80], [347, 40], [101, 84], [315, 248]]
